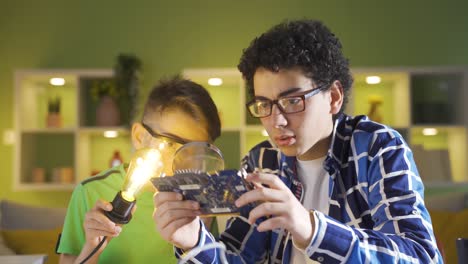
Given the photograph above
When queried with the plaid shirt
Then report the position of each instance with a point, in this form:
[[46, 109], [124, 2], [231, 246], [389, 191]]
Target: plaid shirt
[[376, 207]]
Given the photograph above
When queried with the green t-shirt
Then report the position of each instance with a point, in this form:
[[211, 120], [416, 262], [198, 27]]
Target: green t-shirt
[[139, 242]]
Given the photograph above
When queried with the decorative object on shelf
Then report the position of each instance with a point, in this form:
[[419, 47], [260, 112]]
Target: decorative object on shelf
[[116, 159], [374, 110], [66, 175], [38, 175], [54, 119], [104, 87], [127, 76], [107, 109], [62, 175], [107, 112]]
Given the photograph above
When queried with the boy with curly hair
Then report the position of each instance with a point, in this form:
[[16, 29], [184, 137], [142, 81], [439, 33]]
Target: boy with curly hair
[[330, 188]]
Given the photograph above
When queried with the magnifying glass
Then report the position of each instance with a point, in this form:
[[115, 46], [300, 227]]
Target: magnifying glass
[[198, 157]]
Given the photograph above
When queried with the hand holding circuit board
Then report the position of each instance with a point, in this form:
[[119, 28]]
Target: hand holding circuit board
[[216, 192]]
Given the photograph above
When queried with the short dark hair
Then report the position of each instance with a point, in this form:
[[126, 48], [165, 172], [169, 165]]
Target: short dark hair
[[304, 44], [188, 96]]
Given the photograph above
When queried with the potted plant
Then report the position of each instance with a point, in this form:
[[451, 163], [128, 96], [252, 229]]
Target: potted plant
[[105, 92], [127, 77], [117, 97], [54, 118]]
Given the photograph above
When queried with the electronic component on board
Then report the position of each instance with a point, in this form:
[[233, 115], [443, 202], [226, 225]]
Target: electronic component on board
[[216, 192]]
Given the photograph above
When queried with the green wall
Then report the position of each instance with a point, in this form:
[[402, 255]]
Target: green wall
[[171, 35]]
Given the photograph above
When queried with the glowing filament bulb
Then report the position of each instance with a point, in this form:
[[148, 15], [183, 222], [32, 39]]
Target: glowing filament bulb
[[145, 164], [162, 145]]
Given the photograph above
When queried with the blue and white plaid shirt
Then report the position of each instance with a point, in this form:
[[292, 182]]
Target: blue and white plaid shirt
[[376, 207]]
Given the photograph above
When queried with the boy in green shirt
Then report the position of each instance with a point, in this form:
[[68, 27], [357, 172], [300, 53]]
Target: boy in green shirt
[[177, 111]]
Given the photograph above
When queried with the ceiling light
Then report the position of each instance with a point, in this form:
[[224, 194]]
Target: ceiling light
[[215, 81], [111, 134], [57, 81], [372, 79], [429, 131]]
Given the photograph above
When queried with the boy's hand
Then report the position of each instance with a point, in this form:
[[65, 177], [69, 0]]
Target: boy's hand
[[281, 206], [97, 225], [177, 220]]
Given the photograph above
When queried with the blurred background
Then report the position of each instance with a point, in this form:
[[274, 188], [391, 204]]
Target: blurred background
[[417, 49]]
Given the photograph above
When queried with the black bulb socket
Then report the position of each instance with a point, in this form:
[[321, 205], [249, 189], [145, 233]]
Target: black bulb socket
[[121, 210]]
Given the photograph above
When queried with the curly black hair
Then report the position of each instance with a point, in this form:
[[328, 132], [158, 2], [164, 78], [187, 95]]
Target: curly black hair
[[188, 96], [305, 44]]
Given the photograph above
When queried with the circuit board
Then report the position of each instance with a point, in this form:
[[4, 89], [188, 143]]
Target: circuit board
[[216, 193]]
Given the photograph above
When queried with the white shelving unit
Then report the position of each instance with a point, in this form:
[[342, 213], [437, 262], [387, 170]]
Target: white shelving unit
[[413, 100], [238, 136], [427, 106], [65, 154]]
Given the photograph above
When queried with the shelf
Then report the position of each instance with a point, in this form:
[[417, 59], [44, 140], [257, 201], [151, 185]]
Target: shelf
[[89, 99], [36, 92], [56, 156], [45, 187], [408, 98], [239, 131], [100, 130], [95, 152], [229, 145], [435, 96], [228, 92], [392, 92], [50, 130], [46, 158], [440, 153]]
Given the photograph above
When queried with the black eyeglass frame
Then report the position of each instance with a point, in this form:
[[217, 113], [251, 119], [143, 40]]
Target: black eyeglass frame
[[164, 137], [304, 95]]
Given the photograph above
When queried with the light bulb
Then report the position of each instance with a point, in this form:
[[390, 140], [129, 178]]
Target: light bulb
[[145, 164]]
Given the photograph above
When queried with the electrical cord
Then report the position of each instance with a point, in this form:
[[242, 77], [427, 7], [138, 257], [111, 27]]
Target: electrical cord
[[195, 251], [94, 250]]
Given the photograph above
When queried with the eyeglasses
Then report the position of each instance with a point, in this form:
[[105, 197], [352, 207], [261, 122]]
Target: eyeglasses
[[259, 107], [170, 142]]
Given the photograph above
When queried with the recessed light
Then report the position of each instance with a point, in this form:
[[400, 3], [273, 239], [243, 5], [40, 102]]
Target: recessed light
[[372, 79], [111, 134], [215, 81], [56, 81], [429, 131]]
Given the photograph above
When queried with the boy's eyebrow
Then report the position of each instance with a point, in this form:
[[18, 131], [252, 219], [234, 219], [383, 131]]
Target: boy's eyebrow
[[288, 92], [282, 94]]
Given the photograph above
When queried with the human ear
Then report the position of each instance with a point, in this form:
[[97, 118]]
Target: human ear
[[336, 97], [138, 135]]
